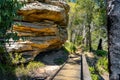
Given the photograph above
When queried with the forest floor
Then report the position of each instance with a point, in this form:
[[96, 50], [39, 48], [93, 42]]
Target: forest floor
[[44, 66], [53, 61]]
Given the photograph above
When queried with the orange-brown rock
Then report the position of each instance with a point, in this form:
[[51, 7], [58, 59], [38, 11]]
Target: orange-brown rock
[[42, 28], [28, 31], [28, 48], [36, 12], [36, 15], [50, 44]]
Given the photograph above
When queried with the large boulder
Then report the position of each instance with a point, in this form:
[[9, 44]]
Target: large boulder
[[42, 28]]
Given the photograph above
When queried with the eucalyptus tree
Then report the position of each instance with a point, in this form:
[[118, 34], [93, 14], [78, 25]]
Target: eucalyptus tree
[[87, 22], [86, 8], [79, 23], [99, 23]]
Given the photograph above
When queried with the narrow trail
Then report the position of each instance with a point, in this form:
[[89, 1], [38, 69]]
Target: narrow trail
[[71, 70]]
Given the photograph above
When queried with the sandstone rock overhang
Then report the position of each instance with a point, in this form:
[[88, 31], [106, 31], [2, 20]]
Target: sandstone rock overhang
[[43, 27]]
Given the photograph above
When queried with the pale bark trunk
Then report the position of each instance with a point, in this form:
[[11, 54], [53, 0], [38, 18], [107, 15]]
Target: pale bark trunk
[[89, 38], [70, 28], [84, 35]]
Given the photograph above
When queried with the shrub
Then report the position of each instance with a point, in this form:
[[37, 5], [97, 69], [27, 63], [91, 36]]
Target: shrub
[[101, 53], [95, 77], [8, 11], [92, 70], [93, 73], [23, 71], [70, 47], [20, 71], [7, 72], [15, 58], [102, 65], [1, 49], [34, 65]]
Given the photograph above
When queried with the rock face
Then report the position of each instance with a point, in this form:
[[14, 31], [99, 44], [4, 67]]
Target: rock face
[[114, 39], [42, 26]]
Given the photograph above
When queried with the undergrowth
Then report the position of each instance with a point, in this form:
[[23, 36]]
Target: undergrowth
[[100, 64], [70, 47], [93, 73], [9, 72]]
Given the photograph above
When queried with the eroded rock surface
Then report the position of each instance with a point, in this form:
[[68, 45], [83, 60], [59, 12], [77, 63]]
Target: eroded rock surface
[[43, 27]]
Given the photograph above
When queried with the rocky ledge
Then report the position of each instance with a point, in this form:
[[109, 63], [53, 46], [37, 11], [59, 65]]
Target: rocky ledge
[[43, 27]]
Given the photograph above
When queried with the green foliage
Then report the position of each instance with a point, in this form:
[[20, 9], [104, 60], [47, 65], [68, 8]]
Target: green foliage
[[34, 65], [78, 40], [99, 15], [99, 21], [23, 71], [102, 65], [72, 7], [95, 77], [92, 70], [1, 49], [99, 67], [70, 47], [93, 73], [11, 35], [86, 48], [93, 13], [77, 21], [15, 58], [4, 69], [8, 10], [101, 53], [86, 7], [11, 72], [7, 72]]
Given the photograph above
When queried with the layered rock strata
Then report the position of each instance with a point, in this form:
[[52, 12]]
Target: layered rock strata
[[42, 27]]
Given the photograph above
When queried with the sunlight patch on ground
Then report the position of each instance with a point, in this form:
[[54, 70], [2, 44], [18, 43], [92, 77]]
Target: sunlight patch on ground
[[89, 54]]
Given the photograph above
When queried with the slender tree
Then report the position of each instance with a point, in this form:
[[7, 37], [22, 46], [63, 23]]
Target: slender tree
[[87, 6]]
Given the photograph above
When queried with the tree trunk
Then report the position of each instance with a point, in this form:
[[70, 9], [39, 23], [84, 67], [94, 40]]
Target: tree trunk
[[83, 34], [69, 29], [100, 45], [114, 38], [89, 38], [69, 33]]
